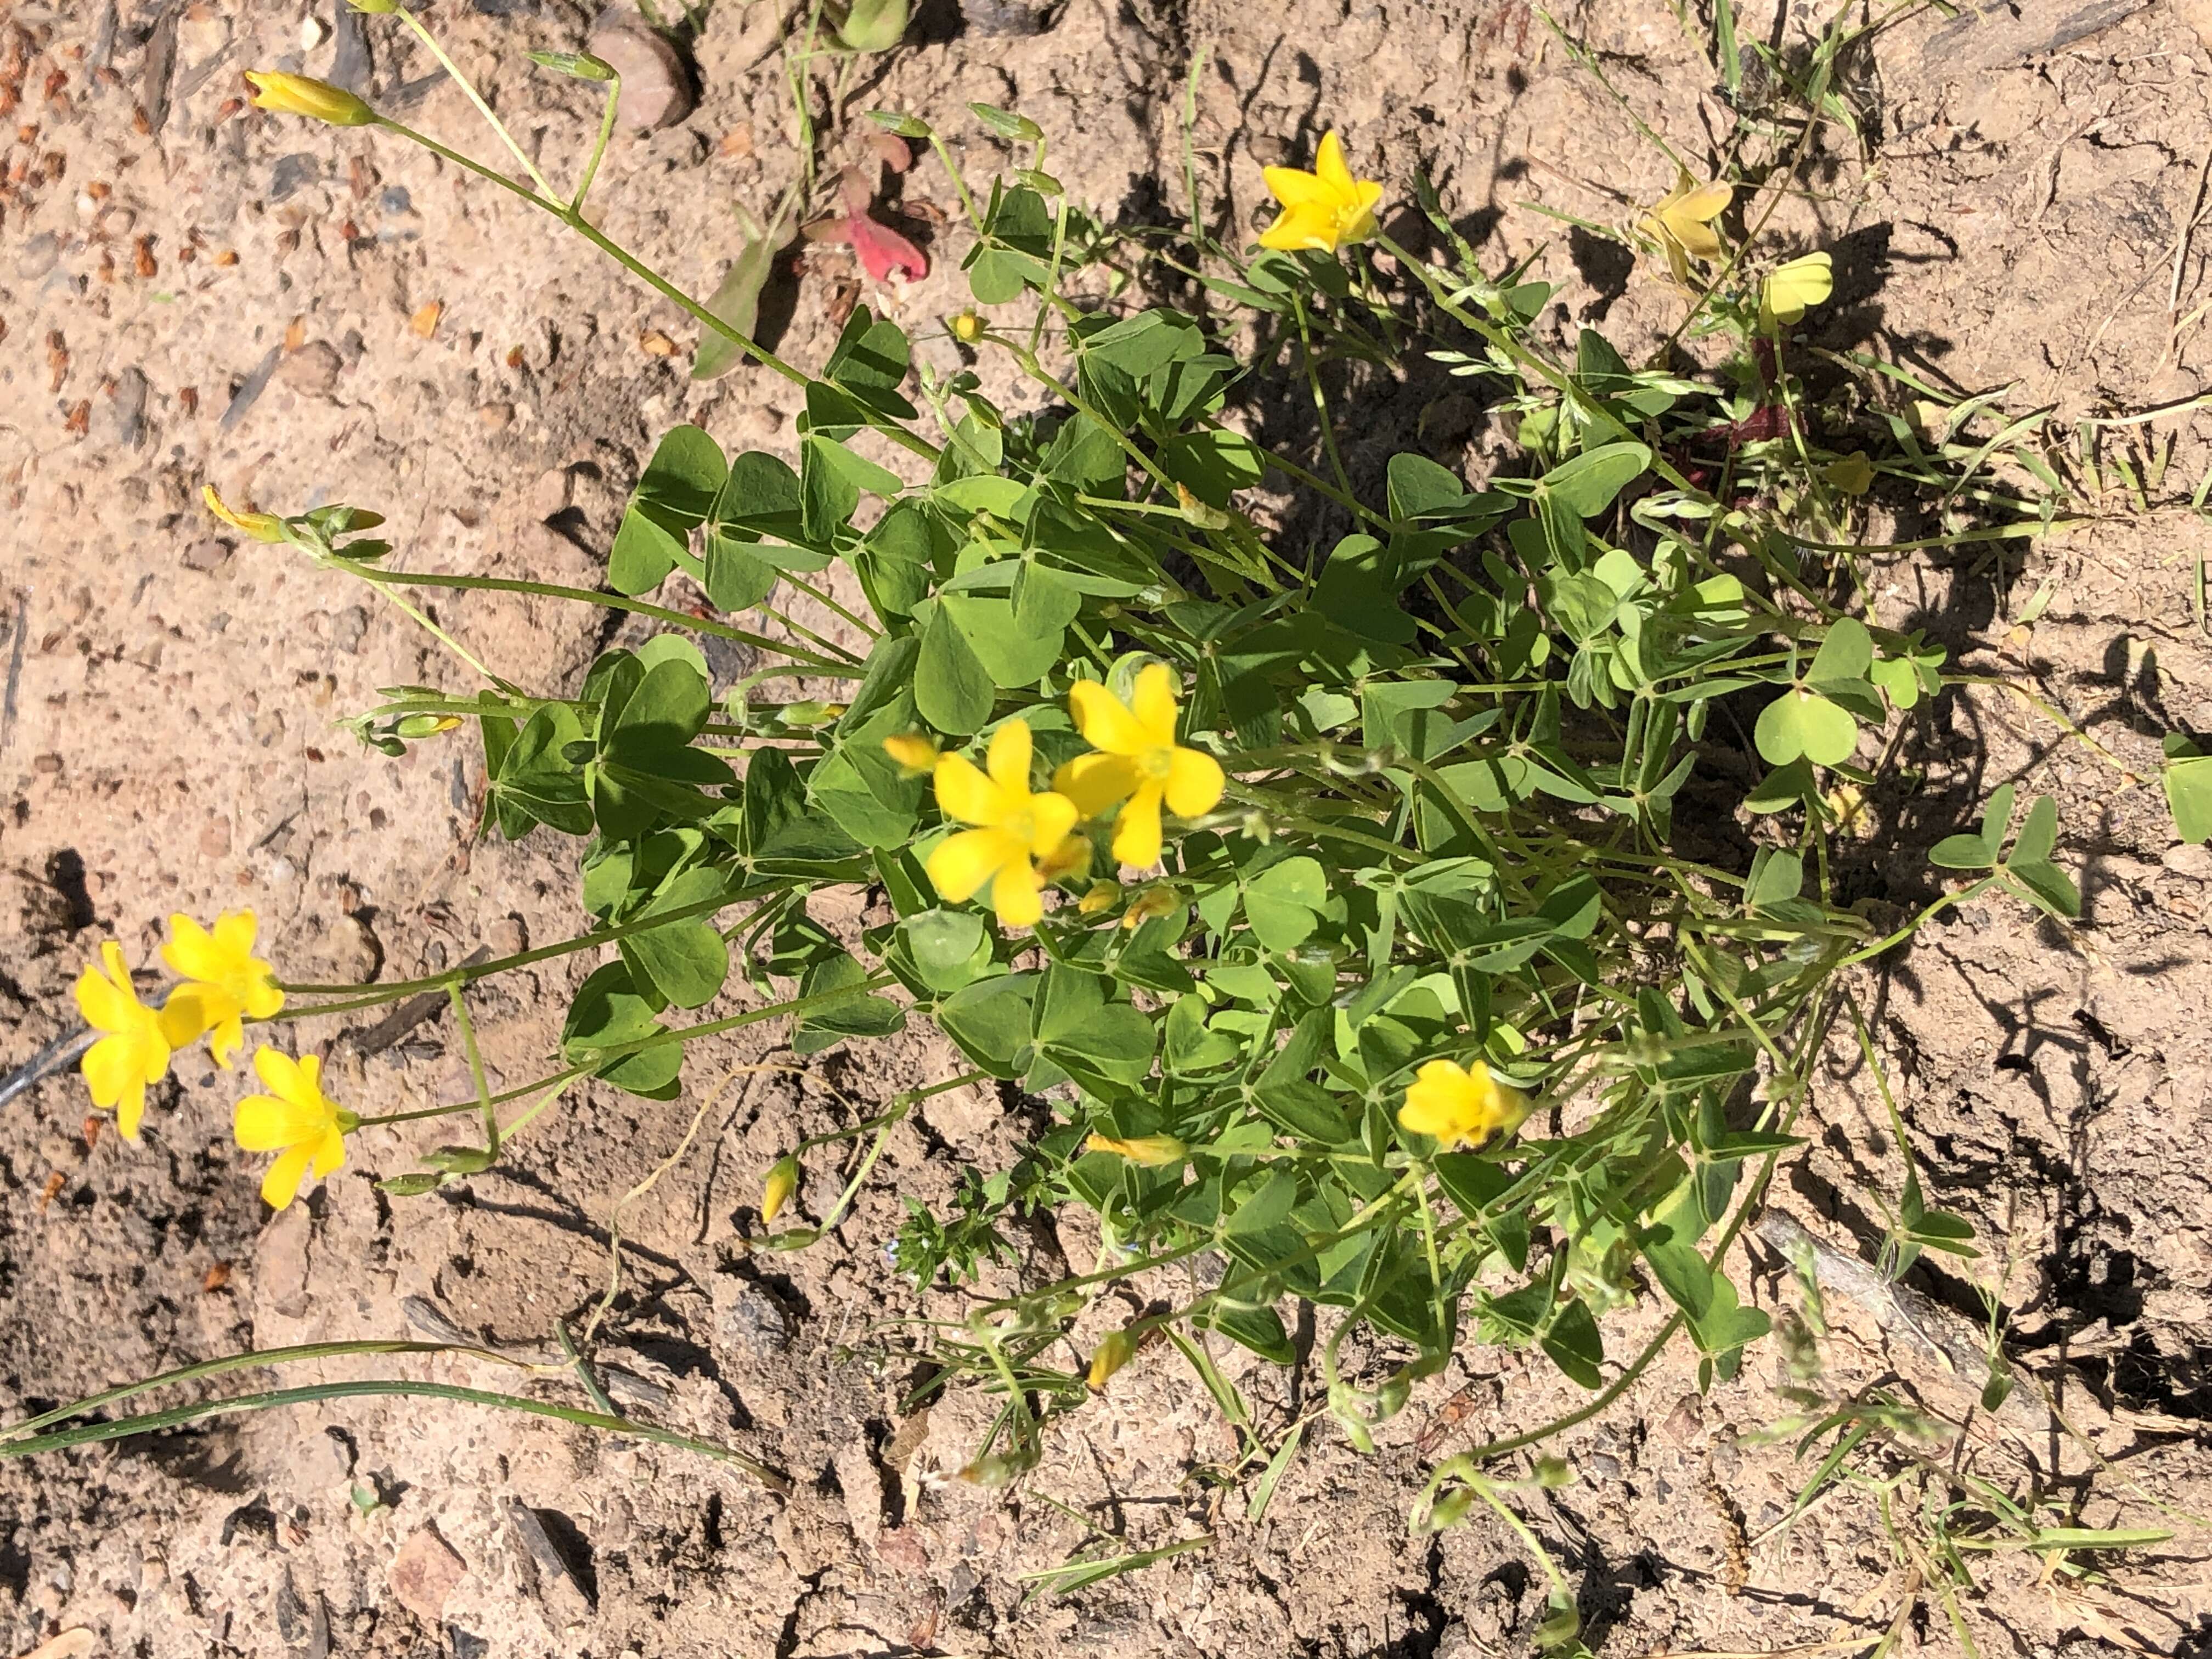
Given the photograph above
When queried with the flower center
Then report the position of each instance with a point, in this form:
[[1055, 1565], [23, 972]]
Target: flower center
[[1156, 763], [1021, 825]]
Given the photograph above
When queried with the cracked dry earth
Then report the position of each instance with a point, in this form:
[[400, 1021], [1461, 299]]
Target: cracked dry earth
[[192, 291]]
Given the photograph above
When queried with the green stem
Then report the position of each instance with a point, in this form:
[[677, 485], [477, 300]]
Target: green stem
[[468, 1031], [599, 150], [475, 97], [611, 601]]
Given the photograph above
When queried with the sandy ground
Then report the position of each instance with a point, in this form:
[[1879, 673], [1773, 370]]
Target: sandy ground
[[192, 291]]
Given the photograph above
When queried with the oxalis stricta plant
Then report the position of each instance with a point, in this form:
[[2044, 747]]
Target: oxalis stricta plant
[[1328, 895]]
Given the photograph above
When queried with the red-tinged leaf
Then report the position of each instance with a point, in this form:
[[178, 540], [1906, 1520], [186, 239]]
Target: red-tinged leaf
[[891, 150], [884, 251]]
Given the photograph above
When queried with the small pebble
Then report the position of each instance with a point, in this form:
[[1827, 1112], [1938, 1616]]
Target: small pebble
[[656, 91], [206, 555]]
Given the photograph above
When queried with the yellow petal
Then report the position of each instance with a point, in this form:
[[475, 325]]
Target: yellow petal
[[1357, 221], [106, 1006], [1795, 286], [1699, 241], [1295, 189], [1052, 815], [1018, 895], [192, 952], [1153, 704], [234, 930], [110, 1065], [1195, 782], [963, 793], [263, 999], [1703, 204], [288, 1079], [185, 1015], [1137, 831], [1009, 760], [225, 1039], [129, 1110], [961, 864], [1104, 719], [282, 1184], [1095, 782], [263, 1124], [1330, 169], [1443, 1102], [329, 1153], [1300, 229]]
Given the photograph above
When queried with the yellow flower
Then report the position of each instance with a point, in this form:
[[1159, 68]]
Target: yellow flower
[[1152, 903], [301, 94], [132, 1051], [1152, 1152], [967, 327], [1460, 1106], [1790, 288], [776, 1190], [1100, 895], [1013, 827], [916, 754], [1112, 1354], [1323, 210], [1682, 223], [225, 984], [1140, 763], [262, 527], [295, 1119]]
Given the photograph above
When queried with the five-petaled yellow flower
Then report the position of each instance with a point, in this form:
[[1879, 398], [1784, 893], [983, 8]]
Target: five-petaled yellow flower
[[1324, 210], [1014, 828], [295, 1119], [133, 1052], [225, 984], [1140, 763], [1460, 1106], [1791, 288], [302, 94], [1682, 223]]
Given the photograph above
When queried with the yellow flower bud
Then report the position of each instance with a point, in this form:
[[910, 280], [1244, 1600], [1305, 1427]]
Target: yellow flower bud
[[1152, 902], [301, 94], [1113, 1353], [1071, 857], [968, 328], [1100, 896], [1853, 474], [916, 754], [1152, 1152], [262, 527], [782, 1181]]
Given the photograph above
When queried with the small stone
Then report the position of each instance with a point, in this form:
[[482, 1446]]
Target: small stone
[[350, 951], [2178, 385], [426, 1574], [862, 1482], [38, 255], [214, 838], [122, 420], [349, 628], [1269, 151], [313, 31], [656, 92], [507, 936], [280, 1265], [557, 1585], [552, 494], [293, 174], [47, 765], [495, 417], [313, 370], [752, 1319], [2190, 860]]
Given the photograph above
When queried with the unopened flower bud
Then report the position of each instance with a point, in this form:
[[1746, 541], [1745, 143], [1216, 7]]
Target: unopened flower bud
[[262, 527], [301, 94], [776, 1190], [1112, 1354], [1152, 1151], [967, 327], [1100, 895], [916, 754]]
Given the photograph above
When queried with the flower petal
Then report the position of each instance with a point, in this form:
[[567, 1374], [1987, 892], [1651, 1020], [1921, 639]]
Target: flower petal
[[1137, 831], [1329, 166], [109, 1065], [1095, 782], [1104, 719], [1052, 815], [1018, 895], [1008, 761], [960, 865], [1302, 229], [1153, 704], [963, 793], [106, 1007], [1194, 782], [234, 930], [130, 1109], [1295, 189], [193, 952], [283, 1076], [282, 1184], [329, 1153], [1704, 204], [225, 1039], [263, 1124], [188, 1015], [263, 999]]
